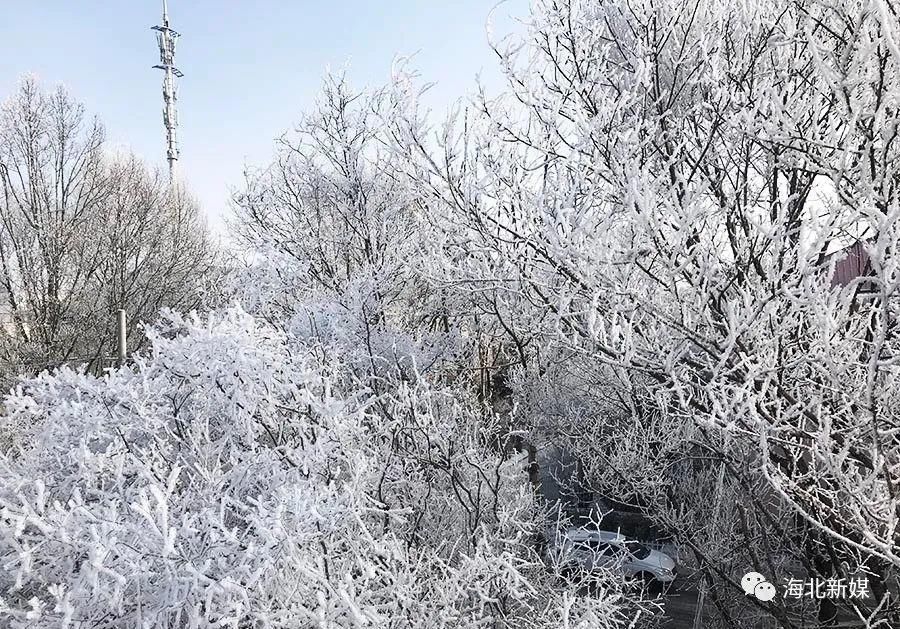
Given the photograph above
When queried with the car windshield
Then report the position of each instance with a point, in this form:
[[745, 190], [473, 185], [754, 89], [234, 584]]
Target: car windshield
[[638, 550]]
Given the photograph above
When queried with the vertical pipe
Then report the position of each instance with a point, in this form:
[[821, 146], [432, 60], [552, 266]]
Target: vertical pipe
[[122, 338]]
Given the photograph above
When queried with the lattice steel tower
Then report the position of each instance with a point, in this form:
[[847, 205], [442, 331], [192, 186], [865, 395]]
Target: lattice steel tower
[[166, 38]]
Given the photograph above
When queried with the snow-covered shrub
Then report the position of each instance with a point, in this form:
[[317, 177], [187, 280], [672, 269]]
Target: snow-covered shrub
[[238, 476]]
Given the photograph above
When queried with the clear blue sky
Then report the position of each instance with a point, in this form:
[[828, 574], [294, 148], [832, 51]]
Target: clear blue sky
[[251, 67]]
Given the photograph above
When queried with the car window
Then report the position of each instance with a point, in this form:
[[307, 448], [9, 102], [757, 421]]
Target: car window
[[638, 550], [601, 548], [610, 549]]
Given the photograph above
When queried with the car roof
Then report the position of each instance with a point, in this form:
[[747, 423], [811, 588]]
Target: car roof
[[599, 536]]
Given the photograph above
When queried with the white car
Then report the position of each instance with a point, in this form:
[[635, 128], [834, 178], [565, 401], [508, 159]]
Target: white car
[[590, 549]]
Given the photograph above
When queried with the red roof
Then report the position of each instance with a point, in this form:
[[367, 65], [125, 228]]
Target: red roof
[[853, 262]]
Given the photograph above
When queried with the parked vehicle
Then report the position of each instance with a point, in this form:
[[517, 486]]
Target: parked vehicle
[[589, 550]]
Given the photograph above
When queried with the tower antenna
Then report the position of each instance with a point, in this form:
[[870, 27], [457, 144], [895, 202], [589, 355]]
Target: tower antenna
[[166, 38]]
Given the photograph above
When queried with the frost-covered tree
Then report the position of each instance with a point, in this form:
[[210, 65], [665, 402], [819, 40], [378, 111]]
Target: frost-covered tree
[[51, 176], [659, 199], [333, 222], [331, 198], [82, 234], [154, 250]]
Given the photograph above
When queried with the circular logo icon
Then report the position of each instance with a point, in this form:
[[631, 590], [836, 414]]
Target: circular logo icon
[[764, 591], [750, 581], [756, 584]]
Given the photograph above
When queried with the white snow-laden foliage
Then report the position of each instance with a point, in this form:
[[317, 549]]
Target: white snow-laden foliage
[[656, 215], [241, 476]]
